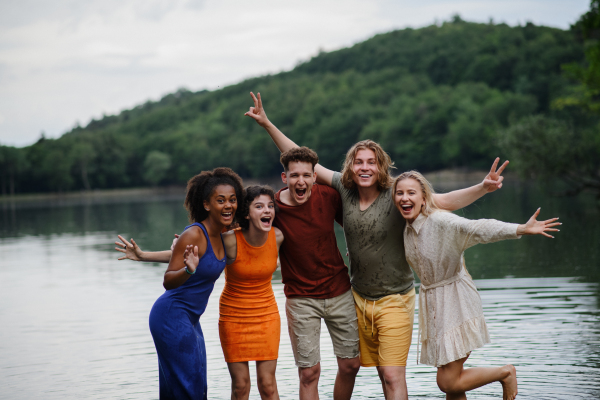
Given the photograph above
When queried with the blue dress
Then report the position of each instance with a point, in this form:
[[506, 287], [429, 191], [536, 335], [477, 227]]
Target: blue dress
[[175, 328]]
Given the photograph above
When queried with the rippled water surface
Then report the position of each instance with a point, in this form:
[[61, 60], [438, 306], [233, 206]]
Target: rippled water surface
[[74, 321]]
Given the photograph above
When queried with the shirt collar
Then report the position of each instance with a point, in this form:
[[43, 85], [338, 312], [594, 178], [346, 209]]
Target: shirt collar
[[418, 223]]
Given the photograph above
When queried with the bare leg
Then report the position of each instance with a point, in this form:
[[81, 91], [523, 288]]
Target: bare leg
[[393, 380], [240, 380], [265, 375], [454, 380], [309, 382], [346, 375]]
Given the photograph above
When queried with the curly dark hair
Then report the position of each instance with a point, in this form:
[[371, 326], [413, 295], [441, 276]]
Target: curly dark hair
[[303, 154], [201, 187], [252, 192]]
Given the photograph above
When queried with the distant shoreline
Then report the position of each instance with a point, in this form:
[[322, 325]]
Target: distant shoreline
[[442, 180]]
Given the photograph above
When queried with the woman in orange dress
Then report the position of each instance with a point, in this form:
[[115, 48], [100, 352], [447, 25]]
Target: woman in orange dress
[[249, 322]]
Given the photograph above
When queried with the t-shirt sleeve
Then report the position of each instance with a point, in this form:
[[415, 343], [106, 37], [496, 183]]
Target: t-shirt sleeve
[[336, 182]]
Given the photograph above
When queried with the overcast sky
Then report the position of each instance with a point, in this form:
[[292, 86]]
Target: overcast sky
[[64, 62]]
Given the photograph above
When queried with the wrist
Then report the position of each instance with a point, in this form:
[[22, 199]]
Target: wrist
[[189, 270], [521, 230]]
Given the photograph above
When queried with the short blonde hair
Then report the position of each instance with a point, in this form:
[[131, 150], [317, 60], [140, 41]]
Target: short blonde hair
[[384, 163], [430, 206]]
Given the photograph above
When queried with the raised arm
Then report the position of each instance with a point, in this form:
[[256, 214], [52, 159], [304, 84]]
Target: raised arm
[[133, 252], [458, 199], [283, 143]]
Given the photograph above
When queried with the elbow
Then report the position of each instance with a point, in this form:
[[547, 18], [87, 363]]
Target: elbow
[[167, 284]]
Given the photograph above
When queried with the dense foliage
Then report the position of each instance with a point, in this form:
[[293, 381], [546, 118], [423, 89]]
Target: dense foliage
[[435, 97]]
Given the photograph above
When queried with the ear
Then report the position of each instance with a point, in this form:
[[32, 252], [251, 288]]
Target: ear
[[315, 175], [284, 177], [206, 205]]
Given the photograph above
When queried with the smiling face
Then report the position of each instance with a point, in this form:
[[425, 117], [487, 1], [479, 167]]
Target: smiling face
[[261, 213], [300, 178], [365, 168], [409, 198], [222, 204]]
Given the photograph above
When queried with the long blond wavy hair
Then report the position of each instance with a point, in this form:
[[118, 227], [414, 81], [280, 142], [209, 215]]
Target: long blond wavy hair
[[384, 164], [430, 206]]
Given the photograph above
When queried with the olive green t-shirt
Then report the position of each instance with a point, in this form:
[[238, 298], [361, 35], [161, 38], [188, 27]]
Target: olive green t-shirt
[[375, 240]]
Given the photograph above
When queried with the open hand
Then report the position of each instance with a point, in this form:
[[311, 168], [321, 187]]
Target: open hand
[[131, 250], [258, 112], [190, 257], [535, 227], [493, 180]]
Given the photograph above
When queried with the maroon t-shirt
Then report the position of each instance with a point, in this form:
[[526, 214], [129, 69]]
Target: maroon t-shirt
[[311, 263]]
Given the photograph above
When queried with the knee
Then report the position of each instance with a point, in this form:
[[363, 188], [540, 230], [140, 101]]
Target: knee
[[240, 388], [349, 366], [393, 377], [267, 388], [445, 385], [310, 375]]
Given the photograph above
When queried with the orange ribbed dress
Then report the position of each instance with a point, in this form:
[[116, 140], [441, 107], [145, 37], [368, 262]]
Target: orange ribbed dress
[[249, 323]]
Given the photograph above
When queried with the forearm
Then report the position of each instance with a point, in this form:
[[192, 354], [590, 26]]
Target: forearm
[[174, 279], [282, 142], [156, 256], [458, 199]]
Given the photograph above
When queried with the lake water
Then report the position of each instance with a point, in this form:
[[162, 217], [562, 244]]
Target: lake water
[[74, 320]]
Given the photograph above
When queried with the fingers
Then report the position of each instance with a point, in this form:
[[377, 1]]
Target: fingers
[[177, 236], [123, 240], [196, 247], [122, 258], [537, 212], [545, 234], [254, 99], [502, 167], [494, 165], [122, 250], [259, 101], [134, 243]]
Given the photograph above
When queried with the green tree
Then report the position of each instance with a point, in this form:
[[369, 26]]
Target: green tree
[[156, 166]]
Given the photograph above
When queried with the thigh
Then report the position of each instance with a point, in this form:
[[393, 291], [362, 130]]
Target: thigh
[[304, 326], [367, 333], [341, 320], [394, 321], [265, 370], [239, 371]]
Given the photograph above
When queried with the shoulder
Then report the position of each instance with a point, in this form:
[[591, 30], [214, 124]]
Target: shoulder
[[278, 235], [193, 232]]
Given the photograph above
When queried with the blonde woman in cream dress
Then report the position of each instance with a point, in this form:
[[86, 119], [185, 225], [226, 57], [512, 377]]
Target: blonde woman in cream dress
[[451, 321]]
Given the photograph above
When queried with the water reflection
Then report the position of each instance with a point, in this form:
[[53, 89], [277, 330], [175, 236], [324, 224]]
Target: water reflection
[[75, 321]]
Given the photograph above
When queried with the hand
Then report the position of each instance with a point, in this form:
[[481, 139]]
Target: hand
[[258, 112], [131, 250], [174, 241], [535, 227], [493, 180], [190, 257]]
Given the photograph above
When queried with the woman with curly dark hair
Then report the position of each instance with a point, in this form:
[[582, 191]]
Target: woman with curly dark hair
[[197, 260], [249, 322]]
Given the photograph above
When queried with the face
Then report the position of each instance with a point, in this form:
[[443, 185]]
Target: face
[[300, 178], [222, 204], [262, 213], [365, 168], [409, 198]]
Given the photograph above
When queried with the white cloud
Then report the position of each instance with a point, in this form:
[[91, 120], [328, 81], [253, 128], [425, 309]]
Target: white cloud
[[67, 61]]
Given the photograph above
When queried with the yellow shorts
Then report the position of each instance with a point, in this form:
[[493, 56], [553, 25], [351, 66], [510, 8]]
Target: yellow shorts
[[385, 329]]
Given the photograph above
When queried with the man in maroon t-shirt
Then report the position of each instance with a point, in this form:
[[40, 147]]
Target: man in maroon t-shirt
[[315, 278]]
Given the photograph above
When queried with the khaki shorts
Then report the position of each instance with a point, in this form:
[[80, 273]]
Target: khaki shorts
[[304, 316], [385, 329]]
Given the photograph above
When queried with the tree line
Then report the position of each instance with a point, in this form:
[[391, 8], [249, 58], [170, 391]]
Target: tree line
[[450, 95]]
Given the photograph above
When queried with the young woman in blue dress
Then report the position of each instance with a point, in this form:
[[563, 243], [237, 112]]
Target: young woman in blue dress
[[197, 260]]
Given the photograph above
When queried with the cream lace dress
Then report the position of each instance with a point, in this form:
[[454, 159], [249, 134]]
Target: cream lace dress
[[451, 321]]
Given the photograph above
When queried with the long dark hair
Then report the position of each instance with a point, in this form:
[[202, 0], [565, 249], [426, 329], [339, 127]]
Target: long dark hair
[[201, 187], [252, 192]]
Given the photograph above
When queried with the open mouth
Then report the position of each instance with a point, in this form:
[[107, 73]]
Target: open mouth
[[300, 193], [364, 176], [407, 208], [227, 215]]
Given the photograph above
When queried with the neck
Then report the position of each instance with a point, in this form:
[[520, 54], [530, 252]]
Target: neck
[[367, 195], [212, 227], [255, 237]]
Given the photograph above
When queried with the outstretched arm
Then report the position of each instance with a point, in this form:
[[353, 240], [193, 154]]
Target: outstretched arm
[[133, 252], [458, 199], [283, 143]]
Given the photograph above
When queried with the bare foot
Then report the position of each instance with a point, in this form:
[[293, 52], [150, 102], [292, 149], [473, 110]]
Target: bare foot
[[509, 384]]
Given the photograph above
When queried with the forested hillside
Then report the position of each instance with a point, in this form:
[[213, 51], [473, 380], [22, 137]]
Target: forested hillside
[[436, 97]]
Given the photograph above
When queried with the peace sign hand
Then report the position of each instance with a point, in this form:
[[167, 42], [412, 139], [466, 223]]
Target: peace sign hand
[[258, 112], [493, 180], [535, 227]]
